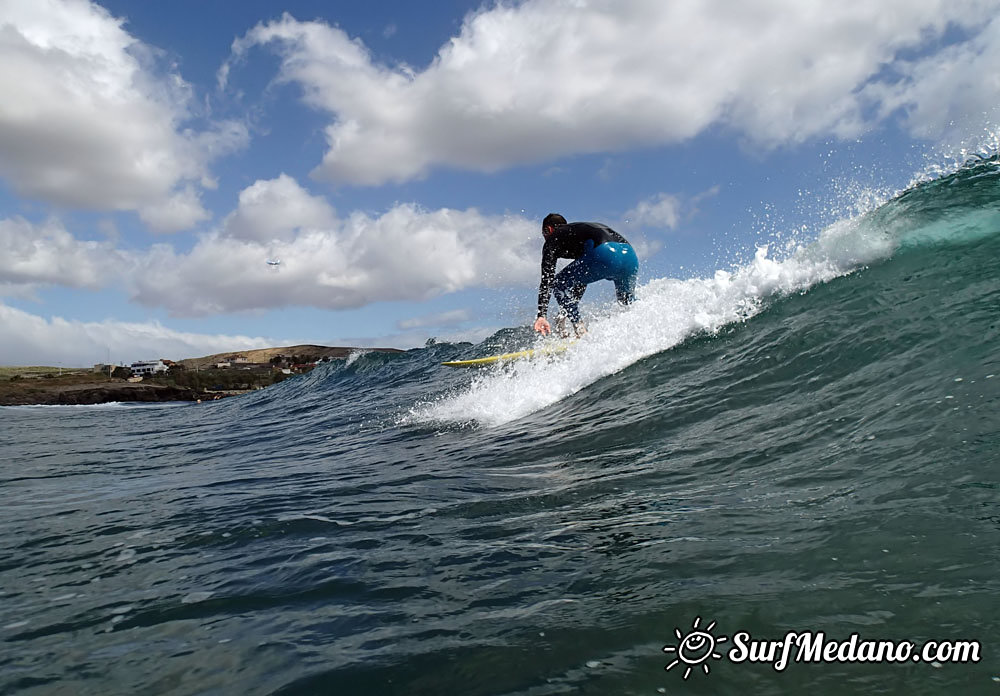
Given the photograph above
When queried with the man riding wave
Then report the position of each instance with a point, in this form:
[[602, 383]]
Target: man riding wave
[[598, 253]]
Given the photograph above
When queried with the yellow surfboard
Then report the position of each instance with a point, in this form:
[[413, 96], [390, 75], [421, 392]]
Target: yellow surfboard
[[507, 357]]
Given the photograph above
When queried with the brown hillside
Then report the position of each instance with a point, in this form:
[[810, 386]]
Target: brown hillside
[[263, 355]]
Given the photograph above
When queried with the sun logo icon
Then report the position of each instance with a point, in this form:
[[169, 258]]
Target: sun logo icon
[[695, 648]]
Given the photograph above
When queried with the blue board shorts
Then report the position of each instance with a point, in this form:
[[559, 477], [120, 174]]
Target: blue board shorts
[[612, 261]]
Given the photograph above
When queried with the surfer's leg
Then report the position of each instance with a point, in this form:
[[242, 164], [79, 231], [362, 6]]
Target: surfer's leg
[[621, 266], [570, 284], [568, 292], [625, 289], [559, 325]]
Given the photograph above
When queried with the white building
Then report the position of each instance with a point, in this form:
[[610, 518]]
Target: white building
[[148, 367]]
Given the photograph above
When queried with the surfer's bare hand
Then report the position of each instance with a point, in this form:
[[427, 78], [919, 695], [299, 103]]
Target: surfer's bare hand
[[542, 326]]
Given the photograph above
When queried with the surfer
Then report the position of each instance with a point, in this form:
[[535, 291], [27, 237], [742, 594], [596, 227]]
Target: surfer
[[598, 253]]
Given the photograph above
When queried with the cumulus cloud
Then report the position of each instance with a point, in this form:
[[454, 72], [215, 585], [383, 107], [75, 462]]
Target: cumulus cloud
[[28, 339], [665, 211], [90, 119], [957, 88], [662, 210], [176, 212], [406, 253], [275, 210], [47, 254], [547, 78]]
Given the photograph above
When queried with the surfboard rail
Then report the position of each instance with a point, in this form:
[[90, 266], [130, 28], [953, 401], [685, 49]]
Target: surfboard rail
[[508, 357]]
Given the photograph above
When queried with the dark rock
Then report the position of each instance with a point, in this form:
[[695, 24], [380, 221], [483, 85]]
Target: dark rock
[[79, 394]]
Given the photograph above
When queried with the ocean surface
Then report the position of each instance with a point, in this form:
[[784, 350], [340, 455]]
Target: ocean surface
[[806, 443]]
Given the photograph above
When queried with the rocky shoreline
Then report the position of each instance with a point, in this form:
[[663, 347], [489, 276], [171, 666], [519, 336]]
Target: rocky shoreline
[[197, 379], [85, 394]]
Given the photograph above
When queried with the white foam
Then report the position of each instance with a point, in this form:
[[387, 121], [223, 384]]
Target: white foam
[[104, 405], [195, 597], [107, 404], [354, 355], [666, 312]]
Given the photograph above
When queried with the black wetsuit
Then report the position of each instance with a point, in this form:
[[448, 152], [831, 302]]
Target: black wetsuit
[[598, 252]]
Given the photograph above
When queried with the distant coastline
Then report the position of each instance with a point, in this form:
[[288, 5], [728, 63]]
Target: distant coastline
[[206, 378]]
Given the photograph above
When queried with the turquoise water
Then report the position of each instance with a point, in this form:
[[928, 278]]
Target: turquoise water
[[806, 443]]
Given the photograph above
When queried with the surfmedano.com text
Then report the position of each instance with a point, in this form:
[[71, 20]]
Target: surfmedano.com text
[[810, 646]]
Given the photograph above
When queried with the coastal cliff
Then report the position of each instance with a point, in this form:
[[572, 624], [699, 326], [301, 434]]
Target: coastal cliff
[[191, 379], [77, 394]]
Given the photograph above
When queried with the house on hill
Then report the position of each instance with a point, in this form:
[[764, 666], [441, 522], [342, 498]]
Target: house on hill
[[142, 368], [234, 361]]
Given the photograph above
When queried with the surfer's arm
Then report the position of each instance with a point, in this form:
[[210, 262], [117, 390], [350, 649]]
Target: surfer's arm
[[548, 273]]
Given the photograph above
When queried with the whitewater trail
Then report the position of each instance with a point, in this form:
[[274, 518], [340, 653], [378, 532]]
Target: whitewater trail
[[666, 312]]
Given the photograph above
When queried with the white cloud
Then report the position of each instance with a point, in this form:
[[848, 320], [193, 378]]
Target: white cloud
[[179, 211], [27, 339], [274, 210], [665, 211], [547, 78], [46, 254], [404, 254], [407, 253], [955, 89], [662, 210], [451, 318], [88, 119]]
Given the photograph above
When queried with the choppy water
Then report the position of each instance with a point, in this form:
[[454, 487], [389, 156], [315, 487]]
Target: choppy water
[[806, 443]]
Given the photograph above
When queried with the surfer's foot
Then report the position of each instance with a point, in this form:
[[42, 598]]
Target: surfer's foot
[[580, 329], [559, 329]]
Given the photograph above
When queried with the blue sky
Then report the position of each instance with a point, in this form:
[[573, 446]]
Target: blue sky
[[398, 157]]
